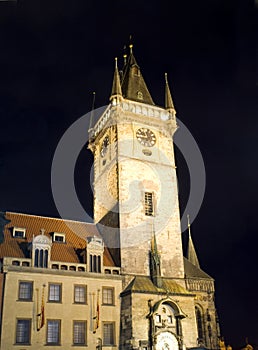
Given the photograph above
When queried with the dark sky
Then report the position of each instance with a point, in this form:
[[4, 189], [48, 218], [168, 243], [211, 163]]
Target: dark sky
[[55, 53]]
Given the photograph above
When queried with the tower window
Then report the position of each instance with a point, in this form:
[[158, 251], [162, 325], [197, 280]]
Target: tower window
[[199, 321], [139, 95], [148, 202]]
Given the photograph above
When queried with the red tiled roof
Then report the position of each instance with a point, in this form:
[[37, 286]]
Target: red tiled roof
[[75, 237]]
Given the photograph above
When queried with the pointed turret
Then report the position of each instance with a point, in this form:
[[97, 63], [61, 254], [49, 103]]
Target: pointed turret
[[133, 85], [191, 253], [169, 105], [116, 87], [155, 263]]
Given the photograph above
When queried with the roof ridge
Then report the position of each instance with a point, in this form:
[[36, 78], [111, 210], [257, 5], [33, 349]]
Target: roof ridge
[[50, 218]]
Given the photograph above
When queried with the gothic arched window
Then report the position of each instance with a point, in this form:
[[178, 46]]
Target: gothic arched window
[[95, 249], [41, 249], [199, 322]]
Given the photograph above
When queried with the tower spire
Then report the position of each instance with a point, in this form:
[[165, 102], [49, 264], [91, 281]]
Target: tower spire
[[155, 262], [191, 253], [116, 87], [133, 85], [169, 105]]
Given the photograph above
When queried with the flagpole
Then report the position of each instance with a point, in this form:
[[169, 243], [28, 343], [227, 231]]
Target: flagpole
[[94, 317], [91, 315], [37, 309]]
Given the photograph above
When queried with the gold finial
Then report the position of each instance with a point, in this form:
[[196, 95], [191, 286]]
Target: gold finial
[[189, 225], [116, 62], [125, 54], [166, 77], [188, 220], [131, 48]]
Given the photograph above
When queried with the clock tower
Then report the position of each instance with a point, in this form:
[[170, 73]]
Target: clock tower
[[135, 184], [167, 301]]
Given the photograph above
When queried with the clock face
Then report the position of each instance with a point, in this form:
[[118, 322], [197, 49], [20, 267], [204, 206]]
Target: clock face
[[104, 146], [166, 341], [146, 137]]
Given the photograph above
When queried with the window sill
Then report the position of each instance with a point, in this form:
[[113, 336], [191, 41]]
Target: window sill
[[54, 302]]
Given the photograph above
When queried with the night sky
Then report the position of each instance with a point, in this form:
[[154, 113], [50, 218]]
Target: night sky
[[54, 54]]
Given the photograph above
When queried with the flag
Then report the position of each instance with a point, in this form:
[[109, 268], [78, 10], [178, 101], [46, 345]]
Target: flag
[[97, 317], [41, 315]]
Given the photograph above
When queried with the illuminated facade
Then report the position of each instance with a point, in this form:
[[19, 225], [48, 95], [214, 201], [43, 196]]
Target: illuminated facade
[[123, 282]]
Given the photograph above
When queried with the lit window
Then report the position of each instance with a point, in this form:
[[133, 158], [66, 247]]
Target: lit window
[[170, 319], [79, 332], [140, 95], [53, 332], [23, 327], [108, 296], [19, 232], [25, 291], [148, 201], [80, 294], [54, 293], [158, 318], [108, 333]]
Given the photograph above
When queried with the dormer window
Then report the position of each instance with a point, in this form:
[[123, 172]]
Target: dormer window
[[19, 232], [59, 237]]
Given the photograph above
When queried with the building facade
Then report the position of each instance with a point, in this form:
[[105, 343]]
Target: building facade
[[123, 282]]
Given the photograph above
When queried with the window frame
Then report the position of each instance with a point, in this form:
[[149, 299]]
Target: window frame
[[29, 332], [58, 321], [30, 283], [106, 289], [84, 322], [105, 323], [19, 229], [50, 284], [85, 294], [58, 235], [199, 322]]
